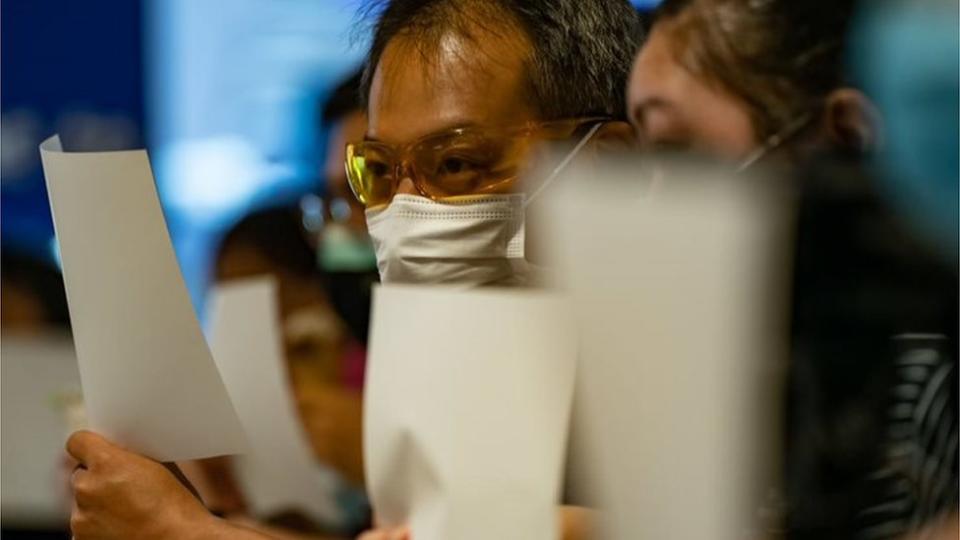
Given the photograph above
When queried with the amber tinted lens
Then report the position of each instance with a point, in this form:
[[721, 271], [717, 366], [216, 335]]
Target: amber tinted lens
[[467, 164], [370, 170]]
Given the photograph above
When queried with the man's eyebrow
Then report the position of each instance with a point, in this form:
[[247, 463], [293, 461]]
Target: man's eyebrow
[[442, 128]]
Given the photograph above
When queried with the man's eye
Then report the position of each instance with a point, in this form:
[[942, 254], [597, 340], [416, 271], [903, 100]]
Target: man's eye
[[377, 168], [454, 165], [458, 175]]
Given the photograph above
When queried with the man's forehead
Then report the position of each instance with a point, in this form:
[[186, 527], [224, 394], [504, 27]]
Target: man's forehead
[[459, 80]]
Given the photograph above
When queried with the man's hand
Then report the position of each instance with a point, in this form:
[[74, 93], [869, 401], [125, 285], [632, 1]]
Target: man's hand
[[119, 494]]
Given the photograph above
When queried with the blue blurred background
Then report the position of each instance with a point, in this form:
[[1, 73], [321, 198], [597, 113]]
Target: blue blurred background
[[223, 93]]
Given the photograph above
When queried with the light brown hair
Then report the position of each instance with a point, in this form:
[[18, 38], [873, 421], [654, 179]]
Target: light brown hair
[[780, 57]]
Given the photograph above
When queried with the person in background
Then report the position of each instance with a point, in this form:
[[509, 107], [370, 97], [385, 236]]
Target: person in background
[[348, 264], [871, 449], [740, 80], [459, 95], [871, 418], [271, 243], [345, 121]]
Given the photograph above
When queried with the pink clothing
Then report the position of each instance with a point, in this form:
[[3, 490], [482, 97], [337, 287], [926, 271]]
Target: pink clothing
[[354, 365]]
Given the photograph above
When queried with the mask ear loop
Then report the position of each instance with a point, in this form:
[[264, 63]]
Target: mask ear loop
[[563, 164], [774, 141]]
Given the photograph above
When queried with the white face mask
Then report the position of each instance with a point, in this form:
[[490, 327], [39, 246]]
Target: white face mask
[[477, 241], [471, 242]]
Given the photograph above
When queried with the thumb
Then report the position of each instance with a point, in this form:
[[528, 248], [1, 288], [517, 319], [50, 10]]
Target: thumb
[[88, 448]]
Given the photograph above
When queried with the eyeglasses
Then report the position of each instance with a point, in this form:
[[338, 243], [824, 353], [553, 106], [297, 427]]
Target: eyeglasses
[[455, 163]]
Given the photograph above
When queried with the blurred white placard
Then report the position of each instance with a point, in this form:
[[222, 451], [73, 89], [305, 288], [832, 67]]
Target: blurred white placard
[[38, 378], [149, 382], [466, 411], [279, 472], [678, 307]]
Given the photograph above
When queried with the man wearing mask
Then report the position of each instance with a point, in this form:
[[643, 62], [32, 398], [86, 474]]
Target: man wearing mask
[[460, 96], [459, 110]]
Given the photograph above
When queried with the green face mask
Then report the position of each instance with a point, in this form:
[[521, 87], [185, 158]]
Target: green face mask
[[342, 250]]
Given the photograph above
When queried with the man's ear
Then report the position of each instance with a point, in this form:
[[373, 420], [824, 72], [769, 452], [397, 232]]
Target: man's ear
[[852, 121], [617, 135]]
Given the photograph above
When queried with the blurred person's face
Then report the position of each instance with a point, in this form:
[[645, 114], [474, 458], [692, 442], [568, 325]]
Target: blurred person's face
[[241, 261], [312, 333], [313, 345], [342, 206], [344, 245], [332, 418], [674, 108], [671, 109], [330, 410]]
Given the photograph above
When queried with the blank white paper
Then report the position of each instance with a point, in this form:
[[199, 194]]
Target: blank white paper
[[279, 472], [149, 382], [466, 411], [679, 310]]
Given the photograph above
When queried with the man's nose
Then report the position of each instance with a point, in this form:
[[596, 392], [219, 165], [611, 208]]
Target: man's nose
[[406, 186]]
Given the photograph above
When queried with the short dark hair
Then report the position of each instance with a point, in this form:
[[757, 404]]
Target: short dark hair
[[344, 100], [277, 235], [582, 50]]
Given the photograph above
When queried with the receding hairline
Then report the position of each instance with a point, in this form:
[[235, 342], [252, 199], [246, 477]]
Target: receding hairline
[[476, 27], [580, 50], [476, 53]]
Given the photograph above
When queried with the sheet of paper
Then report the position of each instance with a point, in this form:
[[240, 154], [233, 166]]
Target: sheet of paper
[[466, 411], [678, 308], [149, 382], [279, 472]]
